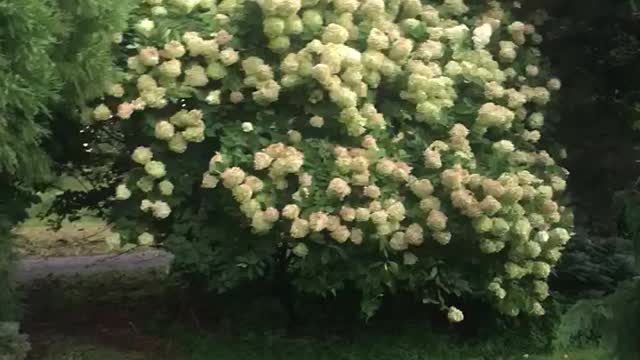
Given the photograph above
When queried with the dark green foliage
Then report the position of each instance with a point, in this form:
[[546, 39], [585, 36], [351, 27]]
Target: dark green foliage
[[614, 319], [592, 266], [14, 199], [611, 321], [13, 203], [54, 54], [29, 83], [594, 48], [624, 324], [628, 205], [13, 345], [83, 57], [625, 303], [581, 325]]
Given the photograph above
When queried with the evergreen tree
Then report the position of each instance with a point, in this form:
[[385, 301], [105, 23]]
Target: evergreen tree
[[29, 82], [54, 54]]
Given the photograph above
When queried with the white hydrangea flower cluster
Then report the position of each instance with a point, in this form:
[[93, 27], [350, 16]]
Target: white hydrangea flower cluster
[[429, 140], [281, 21], [155, 170], [260, 76]]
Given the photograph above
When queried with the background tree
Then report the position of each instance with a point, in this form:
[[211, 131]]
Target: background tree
[[594, 47]]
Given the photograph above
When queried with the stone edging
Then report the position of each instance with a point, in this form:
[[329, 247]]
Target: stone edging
[[31, 269]]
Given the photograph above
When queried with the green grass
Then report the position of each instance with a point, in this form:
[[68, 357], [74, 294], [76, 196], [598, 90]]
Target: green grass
[[87, 352], [408, 343], [361, 348], [247, 326], [592, 354], [265, 347]]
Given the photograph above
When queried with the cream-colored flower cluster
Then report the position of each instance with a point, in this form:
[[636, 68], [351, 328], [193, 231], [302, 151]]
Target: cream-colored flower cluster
[[453, 164], [155, 170], [281, 21], [260, 76]]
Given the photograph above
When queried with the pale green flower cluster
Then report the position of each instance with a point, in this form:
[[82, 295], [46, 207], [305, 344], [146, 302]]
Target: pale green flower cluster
[[481, 175]]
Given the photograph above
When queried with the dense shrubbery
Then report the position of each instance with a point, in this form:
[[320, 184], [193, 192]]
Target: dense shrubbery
[[14, 199], [625, 303], [384, 145], [13, 345], [592, 266], [594, 48], [611, 320]]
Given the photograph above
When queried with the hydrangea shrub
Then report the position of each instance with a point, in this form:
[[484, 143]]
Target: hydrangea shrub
[[388, 145]]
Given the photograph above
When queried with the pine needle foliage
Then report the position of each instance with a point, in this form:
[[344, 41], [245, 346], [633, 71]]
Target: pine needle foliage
[[84, 58], [54, 54], [29, 82]]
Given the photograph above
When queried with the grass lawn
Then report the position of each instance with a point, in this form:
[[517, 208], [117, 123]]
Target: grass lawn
[[85, 236], [88, 352], [391, 347], [244, 335], [396, 347]]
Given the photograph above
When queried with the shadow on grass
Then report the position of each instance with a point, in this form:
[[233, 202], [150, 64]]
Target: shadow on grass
[[192, 346], [142, 320], [73, 351]]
